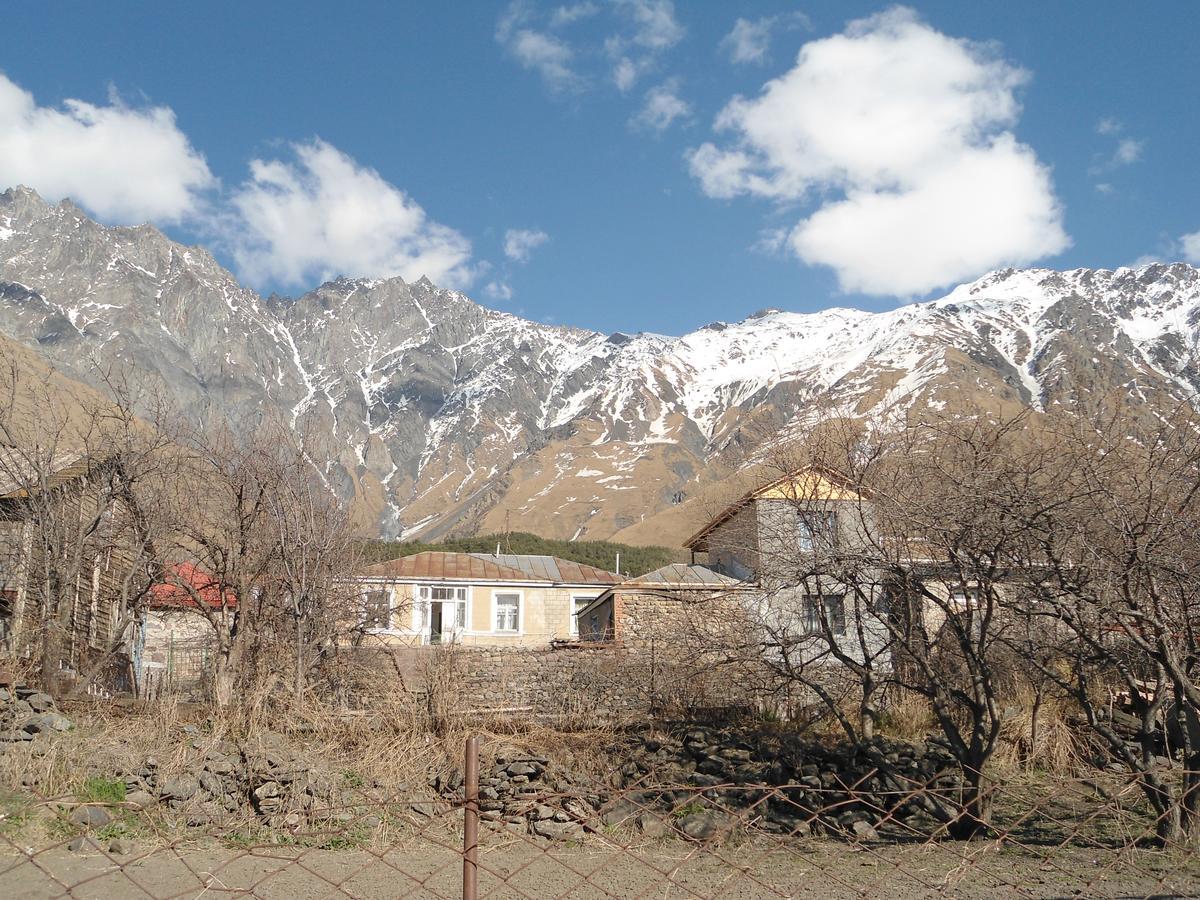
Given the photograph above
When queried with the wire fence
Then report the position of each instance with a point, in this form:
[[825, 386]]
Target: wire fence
[[507, 823]]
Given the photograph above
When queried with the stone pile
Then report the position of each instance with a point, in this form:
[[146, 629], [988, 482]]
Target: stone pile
[[27, 714], [522, 793], [709, 779], [217, 779], [703, 783]]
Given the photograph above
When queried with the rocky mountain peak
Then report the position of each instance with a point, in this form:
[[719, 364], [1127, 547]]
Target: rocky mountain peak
[[441, 414]]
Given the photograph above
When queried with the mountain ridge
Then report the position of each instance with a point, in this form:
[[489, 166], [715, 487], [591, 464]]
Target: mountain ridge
[[445, 416]]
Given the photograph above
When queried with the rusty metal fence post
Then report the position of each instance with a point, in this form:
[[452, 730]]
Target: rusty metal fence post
[[470, 888]]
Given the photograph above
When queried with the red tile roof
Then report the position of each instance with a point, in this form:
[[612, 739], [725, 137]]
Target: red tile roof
[[173, 591]]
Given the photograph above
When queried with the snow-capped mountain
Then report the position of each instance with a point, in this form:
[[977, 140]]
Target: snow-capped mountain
[[438, 414]]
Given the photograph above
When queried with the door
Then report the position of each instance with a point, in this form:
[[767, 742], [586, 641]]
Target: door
[[442, 613]]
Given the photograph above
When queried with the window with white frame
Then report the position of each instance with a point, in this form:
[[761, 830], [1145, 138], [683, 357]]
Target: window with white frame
[[578, 605], [508, 611], [377, 609], [964, 597]]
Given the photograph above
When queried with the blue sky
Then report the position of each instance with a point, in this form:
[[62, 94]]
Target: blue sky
[[298, 140]]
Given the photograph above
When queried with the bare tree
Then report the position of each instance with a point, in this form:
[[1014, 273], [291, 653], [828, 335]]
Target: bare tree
[[273, 549], [80, 538], [1114, 588], [316, 556]]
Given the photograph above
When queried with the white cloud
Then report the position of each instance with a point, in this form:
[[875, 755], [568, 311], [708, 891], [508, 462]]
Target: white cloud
[[771, 241], [662, 107], [123, 164], [900, 134], [625, 73], [638, 33], [547, 54], [1189, 244], [748, 41], [519, 243], [1128, 151], [498, 290], [651, 29], [323, 214], [655, 25], [569, 15]]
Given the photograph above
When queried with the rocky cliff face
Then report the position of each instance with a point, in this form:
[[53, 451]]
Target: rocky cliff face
[[439, 414]]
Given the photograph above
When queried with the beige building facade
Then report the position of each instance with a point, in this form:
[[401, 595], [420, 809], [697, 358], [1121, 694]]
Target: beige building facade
[[504, 600]]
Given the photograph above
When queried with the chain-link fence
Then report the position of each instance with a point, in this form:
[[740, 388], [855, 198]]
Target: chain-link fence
[[688, 811]]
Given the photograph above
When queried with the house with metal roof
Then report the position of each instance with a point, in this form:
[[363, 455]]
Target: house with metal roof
[[477, 599]]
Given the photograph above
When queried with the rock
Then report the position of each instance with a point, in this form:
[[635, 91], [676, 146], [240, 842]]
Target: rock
[[651, 826], [48, 721], [140, 799], [219, 764], [79, 844], [522, 768], [14, 736], [211, 784], [118, 847], [372, 821], [557, 831], [620, 813], [181, 788], [40, 702], [89, 817], [864, 830], [699, 826]]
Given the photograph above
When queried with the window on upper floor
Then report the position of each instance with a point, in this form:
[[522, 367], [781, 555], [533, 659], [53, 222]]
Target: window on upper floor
[[834, 607], [816, 528]]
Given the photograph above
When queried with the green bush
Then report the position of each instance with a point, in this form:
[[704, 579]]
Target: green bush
[[601, 554]]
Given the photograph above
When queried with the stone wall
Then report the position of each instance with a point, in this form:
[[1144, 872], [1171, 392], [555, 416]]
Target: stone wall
[[651, 667]]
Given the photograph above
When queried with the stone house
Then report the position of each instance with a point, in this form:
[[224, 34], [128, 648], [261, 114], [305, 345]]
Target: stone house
[[175, 641], [773, 537], [477, 599], [650, 607]]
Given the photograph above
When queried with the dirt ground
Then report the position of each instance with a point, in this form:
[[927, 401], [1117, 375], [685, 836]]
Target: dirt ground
[[514, 867]]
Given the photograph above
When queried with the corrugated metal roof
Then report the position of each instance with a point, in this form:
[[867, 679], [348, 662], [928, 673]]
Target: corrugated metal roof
[[436, 565], [552, 568], [681, 575]]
